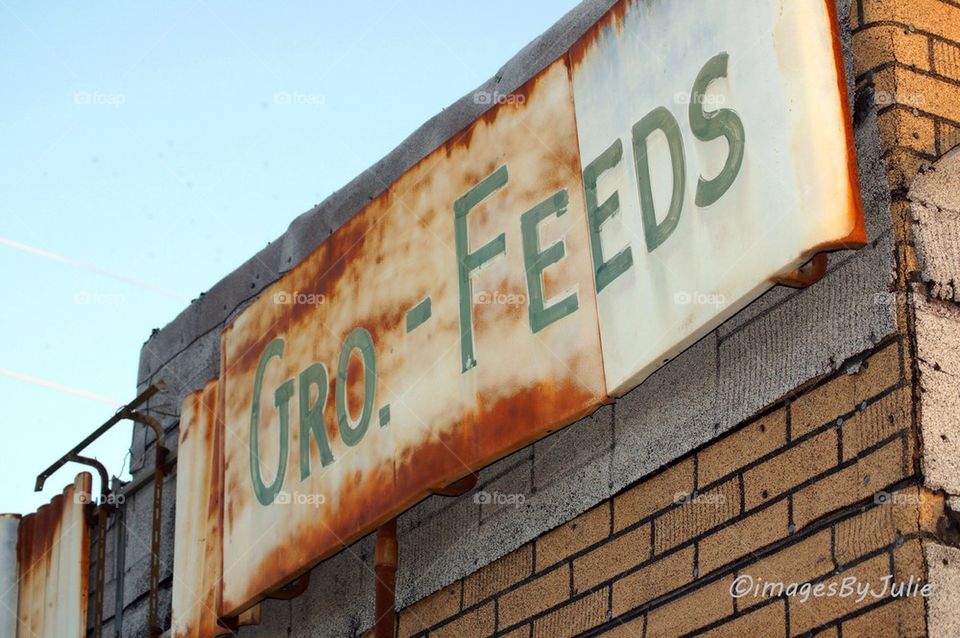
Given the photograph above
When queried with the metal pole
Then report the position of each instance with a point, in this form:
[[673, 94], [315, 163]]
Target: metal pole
[[158, 473], [385, 565], [102, 509]]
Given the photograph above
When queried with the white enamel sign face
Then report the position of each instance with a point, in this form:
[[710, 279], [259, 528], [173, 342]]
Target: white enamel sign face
[[716, 157]]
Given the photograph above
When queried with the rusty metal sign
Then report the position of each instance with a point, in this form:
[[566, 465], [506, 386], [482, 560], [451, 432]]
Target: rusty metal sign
[[718, 157], [53, 556], [449, 323], [679, 160]]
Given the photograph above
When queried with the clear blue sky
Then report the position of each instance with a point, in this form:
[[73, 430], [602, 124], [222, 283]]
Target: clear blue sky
[[148, 148]]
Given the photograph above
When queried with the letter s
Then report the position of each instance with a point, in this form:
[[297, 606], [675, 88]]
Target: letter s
[[707, 126]]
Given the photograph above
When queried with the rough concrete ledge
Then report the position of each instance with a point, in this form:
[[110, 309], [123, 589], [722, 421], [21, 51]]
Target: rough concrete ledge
[[943, 563], [935, 209]]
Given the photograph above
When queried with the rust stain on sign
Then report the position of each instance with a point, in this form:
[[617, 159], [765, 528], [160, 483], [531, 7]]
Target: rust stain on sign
[[53, 548], [197, 551], [449, 323]]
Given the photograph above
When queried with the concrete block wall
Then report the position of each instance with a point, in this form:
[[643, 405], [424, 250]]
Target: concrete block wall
[[791, 357]]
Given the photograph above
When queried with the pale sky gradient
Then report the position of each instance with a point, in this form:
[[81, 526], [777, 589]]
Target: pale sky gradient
[[147, 151]]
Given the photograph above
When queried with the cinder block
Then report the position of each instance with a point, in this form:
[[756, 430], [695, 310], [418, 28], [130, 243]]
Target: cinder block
[[138, 526], [579, 445], [673, 412], [938, 359], [340, 598], [935, 210], [276, 620], [809, 335], [507, 493], [443, 548], [669, 414], [943, 607], [136, 615], [185, 373], [571, 468], [937, 237]]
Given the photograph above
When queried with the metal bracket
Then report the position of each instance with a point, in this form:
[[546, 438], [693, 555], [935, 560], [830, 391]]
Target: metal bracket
[[458, 487], [806, 275]]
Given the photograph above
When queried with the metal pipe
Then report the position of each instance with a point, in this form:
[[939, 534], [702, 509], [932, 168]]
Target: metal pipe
[[119, 560], [102, 509], [158, 472], [385, 566], [458, 487], [96, 434]]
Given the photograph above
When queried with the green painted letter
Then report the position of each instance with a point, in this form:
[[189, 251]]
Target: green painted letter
[[710, 125], [604, 271], [352, 431], [266, 493], [536, 261], [469, 262], [311, 419], [659, 118]]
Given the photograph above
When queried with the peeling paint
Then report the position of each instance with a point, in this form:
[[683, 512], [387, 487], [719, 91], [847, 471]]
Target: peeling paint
[[197, 551], [444, 422], [53, 552]]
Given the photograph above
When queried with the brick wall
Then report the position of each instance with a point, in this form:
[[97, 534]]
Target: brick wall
[[822, 486], [909, 50]]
